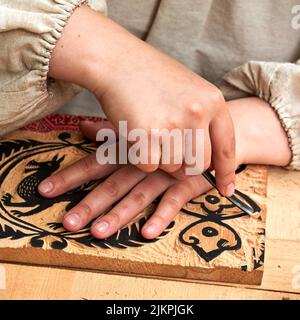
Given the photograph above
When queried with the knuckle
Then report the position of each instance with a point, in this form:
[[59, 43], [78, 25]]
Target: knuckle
[[60, 181], [138, 197], [195, 110], [216, 97], [174, 203], [86, 164], [231, 140], [160, 220], [213, 100], [85, 208], [172, 123], [114, 218], [183, 192], [111, 187], [226, 153]]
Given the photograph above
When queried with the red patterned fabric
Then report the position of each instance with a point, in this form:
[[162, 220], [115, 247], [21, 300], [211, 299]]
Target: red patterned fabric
[[62, 122]]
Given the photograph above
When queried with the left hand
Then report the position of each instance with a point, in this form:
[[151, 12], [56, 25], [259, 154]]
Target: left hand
[[128, 189]]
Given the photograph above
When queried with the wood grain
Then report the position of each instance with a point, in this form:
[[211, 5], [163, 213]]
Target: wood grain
[[27, 282], [209, 239]]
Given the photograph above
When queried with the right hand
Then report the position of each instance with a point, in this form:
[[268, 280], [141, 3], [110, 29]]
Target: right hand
[[135, 82]]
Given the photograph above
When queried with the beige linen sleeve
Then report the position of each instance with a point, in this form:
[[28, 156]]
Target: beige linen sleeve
[[279, 85], [29, 30]]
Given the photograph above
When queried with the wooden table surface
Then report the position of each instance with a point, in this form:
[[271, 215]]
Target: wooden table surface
[[281, 276]]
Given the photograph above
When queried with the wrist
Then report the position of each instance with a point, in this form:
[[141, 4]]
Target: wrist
[[260, 138]]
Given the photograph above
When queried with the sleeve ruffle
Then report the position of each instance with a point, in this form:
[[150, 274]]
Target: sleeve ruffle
[[29, 31], [279, 85]]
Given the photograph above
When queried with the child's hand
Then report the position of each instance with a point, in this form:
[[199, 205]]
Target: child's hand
[[137, 83], [125, 192], [260, 140]]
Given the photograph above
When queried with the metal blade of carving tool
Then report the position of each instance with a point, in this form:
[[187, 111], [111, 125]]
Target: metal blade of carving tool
[[233, 199]]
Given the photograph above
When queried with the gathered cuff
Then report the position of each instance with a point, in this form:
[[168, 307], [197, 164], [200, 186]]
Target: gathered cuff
[[291, 126], [65, 8], [279, 85], [29, 31], [48, 40]]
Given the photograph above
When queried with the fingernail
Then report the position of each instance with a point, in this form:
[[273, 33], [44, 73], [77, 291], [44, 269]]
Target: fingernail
[[73, 219], [102, 226], [46, 187], [152, 228], [230, 190]]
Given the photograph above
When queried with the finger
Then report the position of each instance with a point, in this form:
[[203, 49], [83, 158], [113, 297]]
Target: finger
[[197, 157], [172, 202], [136, 201], [90, 128], [82, 171], [223, 153], [172, 150], [102, 197], [144, 148], [145, 155]]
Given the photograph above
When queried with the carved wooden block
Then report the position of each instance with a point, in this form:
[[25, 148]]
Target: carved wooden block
[[210, 239]]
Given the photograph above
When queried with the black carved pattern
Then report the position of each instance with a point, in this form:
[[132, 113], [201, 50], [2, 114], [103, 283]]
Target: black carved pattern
[[208, 225], [9, 232], [127, 237], [13, 227], [12, 152], [12, 147]]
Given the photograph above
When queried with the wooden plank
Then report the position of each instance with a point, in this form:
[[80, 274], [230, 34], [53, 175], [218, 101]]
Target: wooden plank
[[281, 279], [283, 204], [209, 240], [282, 266], [28, 282]]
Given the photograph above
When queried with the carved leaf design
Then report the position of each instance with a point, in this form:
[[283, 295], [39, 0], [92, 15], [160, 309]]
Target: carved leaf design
[[127, 237], [8, 232], [7, 148]]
